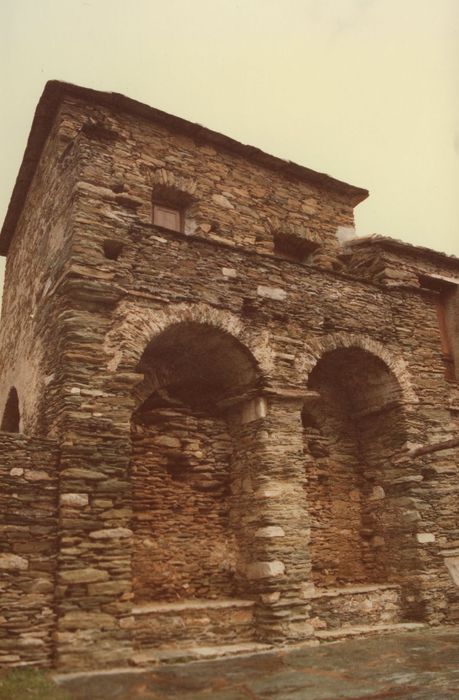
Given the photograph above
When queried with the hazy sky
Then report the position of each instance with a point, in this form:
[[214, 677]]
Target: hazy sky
[[365, 90]]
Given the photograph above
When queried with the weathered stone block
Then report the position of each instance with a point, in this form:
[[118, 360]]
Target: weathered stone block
[[80, 473], [111, 533], [108, 588], [270, 531], [452, 564], [425, 537], [275, 293], [79, 620], [265, 569], [36, 475], [222, 201], [12, 562], [74, 499], [89, 575]]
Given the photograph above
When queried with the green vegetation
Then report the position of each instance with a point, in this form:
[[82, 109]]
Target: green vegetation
[[29, 684]]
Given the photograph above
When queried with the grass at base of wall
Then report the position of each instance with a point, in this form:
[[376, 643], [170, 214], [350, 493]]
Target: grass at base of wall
[[29, 684]]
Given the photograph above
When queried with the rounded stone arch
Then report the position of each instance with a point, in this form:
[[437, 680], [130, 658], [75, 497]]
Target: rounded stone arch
[[193, 362], [356, 430], [203, 360], [316, 349], [136, 327]]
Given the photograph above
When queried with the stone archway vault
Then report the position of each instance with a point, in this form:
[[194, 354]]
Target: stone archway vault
[[136, 326], [315, 349]]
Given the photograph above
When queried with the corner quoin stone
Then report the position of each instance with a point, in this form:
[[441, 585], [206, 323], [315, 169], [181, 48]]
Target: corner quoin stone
[[265, 569]]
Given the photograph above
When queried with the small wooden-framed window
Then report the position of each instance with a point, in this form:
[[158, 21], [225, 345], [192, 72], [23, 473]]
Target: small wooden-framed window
[[167, 217]]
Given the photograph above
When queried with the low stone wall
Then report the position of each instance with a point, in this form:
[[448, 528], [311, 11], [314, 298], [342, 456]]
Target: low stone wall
[[193, 623], [356, 605], [183, 544], [28, 546]]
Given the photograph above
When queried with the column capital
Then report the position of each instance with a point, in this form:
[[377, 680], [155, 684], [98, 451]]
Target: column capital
[[285, 393], [281, 393]]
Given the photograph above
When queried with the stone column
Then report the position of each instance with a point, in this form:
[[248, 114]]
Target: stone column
[[269, 513], [28, 544], [427, 489], [93, 596]]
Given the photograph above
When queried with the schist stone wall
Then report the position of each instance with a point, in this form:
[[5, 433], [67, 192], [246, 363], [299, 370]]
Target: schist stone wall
[[208, 401], [184, 545], [28, 526]]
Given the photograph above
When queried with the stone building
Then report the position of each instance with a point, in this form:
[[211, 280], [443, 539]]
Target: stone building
[[209, 392]]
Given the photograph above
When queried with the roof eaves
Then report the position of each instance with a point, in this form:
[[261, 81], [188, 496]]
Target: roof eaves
[[377, 240]]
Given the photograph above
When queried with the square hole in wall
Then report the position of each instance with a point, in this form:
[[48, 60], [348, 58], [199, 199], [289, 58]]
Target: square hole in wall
[[293, 247], [112, 249]]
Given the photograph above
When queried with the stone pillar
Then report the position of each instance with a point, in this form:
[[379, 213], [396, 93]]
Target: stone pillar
[[28, 545], [418, 524], [423, 493], [94, 592], [269, 513]]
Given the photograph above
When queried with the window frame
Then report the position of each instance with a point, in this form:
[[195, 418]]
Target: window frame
[[177, 210]]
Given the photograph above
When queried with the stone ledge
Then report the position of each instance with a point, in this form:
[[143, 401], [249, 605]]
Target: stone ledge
[[363, 630], [197, 653], [353, 590], [191, 605]]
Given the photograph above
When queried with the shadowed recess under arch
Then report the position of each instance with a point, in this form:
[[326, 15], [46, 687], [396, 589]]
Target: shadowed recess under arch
[[11, 416], [185, 517], [197, 364], [353, 431]]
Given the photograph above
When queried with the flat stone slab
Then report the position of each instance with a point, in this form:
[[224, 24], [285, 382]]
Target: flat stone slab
[[364, 630], [196, 653], [180, 606], [353, 590], [419, 665]]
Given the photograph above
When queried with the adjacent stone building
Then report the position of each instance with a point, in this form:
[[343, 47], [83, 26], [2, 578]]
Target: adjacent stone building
[[209, 392]]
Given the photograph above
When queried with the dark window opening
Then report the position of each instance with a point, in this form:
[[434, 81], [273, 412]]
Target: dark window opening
[[11, 416], [112, 249], [308, 421], [437, 284], [316, 443], [177, 466], [249, 308], [98, 130], [292, 247]]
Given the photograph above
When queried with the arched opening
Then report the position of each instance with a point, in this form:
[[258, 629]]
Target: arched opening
[[352, 432], [11, 416], [185, 545]]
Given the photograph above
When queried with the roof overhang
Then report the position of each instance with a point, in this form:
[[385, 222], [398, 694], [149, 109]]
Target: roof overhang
[[396, 246]]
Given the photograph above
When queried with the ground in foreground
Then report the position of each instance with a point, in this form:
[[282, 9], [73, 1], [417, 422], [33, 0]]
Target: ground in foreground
[[421, 665]]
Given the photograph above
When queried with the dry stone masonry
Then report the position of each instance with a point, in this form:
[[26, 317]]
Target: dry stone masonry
[[212, 401]]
